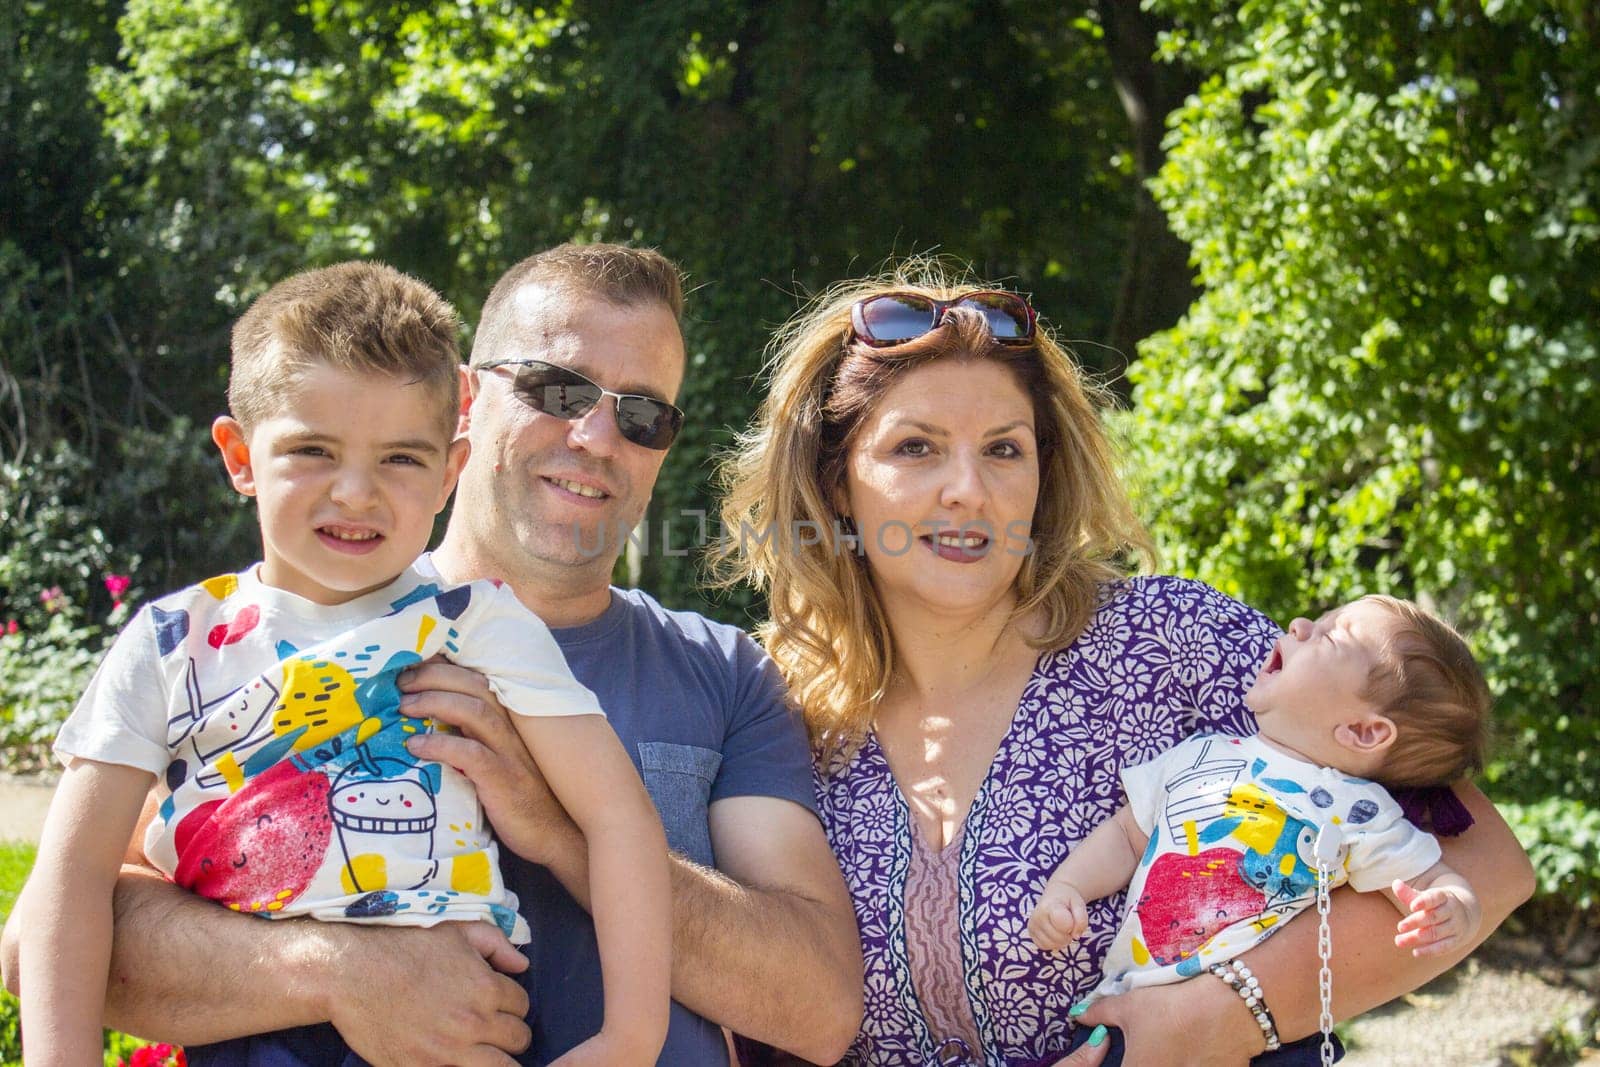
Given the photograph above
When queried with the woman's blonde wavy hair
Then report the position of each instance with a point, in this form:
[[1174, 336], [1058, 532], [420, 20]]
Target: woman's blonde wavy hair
[[826, 627]]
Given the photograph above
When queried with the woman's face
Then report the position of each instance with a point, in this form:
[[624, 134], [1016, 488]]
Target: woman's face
[[941, 483]]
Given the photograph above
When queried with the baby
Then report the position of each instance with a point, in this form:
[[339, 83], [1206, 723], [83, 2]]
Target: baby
[[264, 706], [1218, 834]]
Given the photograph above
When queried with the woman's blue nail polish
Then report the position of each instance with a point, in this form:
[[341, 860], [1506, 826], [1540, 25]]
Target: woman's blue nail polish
[[1097, 1037], [1078, 1008]]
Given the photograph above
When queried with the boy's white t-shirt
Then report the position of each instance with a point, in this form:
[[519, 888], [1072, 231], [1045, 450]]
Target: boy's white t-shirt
[[272, 725], [1232, 824]]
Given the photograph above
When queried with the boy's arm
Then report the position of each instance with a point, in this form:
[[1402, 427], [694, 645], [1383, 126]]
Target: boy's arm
[[1104, 861], [630, 892], [1101, 864], [185, 970], [66, 948], [774, 915], [1441, 911]]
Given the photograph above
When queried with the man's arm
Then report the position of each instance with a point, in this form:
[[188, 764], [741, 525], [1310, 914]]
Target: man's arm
[[765, 945], [184, 969], [1368, 969]]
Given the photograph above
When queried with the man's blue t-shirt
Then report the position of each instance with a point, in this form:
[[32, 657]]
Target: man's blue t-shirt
[[700, 709]]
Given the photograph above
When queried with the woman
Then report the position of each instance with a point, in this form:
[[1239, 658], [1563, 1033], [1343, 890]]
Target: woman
[[930, 502]]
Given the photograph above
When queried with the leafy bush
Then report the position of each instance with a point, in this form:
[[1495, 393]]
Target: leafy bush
[[1392, 378], [1562, 837], [61, 586]]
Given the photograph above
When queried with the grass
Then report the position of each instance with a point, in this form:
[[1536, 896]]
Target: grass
[[16, 860]]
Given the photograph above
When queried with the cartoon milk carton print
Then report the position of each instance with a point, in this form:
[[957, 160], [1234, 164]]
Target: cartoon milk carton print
[[1200, 795]]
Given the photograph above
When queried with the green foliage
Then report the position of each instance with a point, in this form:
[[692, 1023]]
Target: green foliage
[[770, 148], [1391, 382], [53, 567], [1562, 837]]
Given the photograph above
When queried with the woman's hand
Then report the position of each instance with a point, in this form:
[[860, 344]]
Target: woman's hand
[[1217, 1029]]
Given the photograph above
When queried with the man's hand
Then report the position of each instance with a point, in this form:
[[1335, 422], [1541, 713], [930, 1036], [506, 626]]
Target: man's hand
[[475, 1014], [484, 746], [1060, 917]]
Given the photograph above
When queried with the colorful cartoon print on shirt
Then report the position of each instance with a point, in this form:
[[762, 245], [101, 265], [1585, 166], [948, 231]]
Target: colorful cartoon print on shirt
[[1277, 845], [1188, 898], [307, 759]]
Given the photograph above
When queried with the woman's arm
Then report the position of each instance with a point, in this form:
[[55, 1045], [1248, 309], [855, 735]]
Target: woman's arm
[[1368, 969]]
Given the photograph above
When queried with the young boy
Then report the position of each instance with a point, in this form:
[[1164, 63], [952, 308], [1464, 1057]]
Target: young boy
[[264, 705], [1218, 833]]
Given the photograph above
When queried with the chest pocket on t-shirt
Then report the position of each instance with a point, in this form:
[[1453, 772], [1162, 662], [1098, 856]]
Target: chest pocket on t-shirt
[[678, 778]]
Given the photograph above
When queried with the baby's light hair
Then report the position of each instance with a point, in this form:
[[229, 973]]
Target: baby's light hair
[[365, 318], [1427, 681]]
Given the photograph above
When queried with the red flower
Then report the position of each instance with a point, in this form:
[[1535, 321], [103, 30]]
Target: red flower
[[11, 626], [162, 1055], [116, 585]]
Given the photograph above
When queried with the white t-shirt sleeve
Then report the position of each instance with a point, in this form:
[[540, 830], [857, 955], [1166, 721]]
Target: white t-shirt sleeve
[[1395, 850], [511, 647], [1146, 786], [122, 716]]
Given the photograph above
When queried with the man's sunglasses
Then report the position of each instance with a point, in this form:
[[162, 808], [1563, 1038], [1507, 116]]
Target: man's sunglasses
[[895, 318], [566, 394]]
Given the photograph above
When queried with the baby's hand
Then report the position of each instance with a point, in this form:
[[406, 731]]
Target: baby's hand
[[1059, 918], [1442, 919]]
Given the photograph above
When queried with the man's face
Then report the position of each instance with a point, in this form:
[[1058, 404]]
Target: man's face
[[567, 492]]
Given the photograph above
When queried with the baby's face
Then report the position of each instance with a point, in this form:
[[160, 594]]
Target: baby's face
[[1315, 677]]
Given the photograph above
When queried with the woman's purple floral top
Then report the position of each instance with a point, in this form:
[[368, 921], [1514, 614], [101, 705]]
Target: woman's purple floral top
[[1162, 658]]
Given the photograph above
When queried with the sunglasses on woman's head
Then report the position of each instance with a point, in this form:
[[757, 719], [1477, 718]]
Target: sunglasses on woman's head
[[566, 394], [895, 318]]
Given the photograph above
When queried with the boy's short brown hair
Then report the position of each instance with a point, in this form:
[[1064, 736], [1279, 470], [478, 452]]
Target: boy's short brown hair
[[1428, 683], [365, 318]]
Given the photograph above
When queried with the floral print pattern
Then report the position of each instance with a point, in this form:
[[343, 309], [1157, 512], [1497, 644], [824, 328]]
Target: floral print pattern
[[1162, 658]]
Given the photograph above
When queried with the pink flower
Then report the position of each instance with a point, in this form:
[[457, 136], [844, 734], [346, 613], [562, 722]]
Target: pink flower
[[162, 1055], [11, 626], [51, 598], [116, 585]]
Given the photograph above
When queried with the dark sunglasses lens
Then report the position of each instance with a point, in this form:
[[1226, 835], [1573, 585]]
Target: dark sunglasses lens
[[1006, 313], [647, 422], [556, 392], [898, 317]]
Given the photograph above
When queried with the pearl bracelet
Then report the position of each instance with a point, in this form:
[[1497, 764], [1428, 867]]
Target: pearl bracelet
[[1242, 982]]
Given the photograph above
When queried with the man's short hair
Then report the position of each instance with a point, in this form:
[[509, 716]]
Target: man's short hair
[[617, 274], [365, 318]]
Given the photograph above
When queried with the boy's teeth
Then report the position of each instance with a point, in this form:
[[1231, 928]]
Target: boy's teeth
[[351, 535], [581, 490]]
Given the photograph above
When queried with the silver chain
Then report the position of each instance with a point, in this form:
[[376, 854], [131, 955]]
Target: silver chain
[[1327, 849], [1325, 953]]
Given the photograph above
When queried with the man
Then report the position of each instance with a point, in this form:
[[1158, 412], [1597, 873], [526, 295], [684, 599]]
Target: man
[[764, 941]]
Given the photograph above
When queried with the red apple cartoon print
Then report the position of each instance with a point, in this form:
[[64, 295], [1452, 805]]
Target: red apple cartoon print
[[260, 848], [1189, 899]]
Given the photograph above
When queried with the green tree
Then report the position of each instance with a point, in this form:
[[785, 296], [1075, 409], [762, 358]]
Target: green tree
[[1390, 382], [770, 148]]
